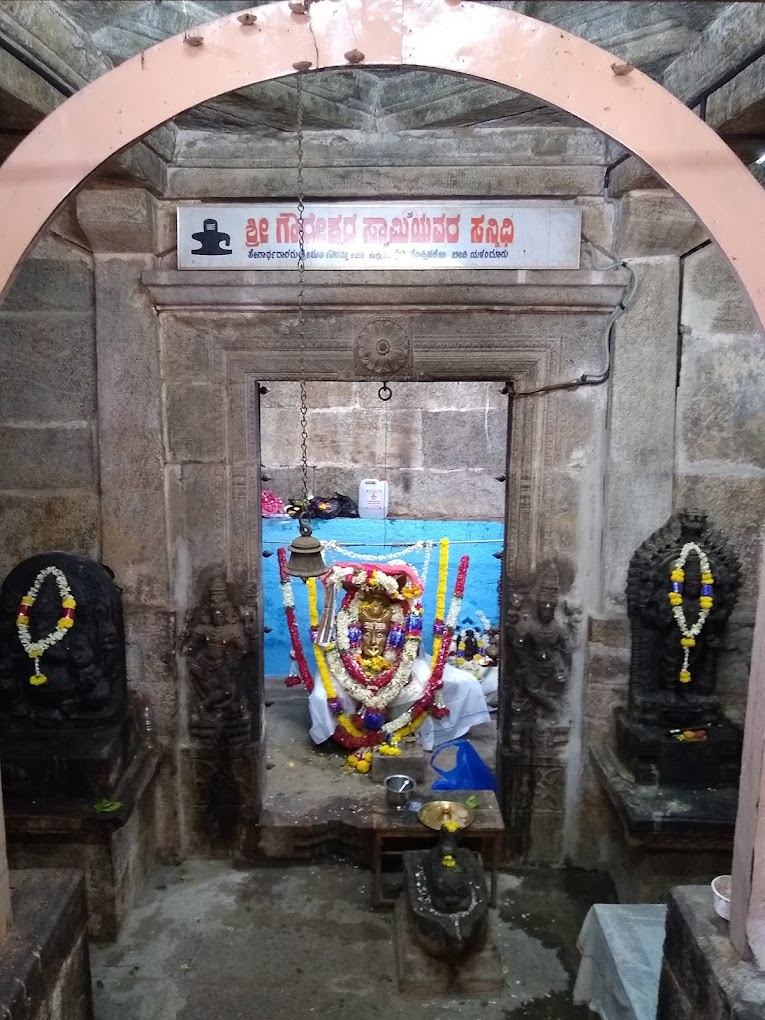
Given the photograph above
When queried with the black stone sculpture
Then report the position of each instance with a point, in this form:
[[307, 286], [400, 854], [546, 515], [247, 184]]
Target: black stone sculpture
[[66, 736], [220, 646], [447, 898], [674, 732]]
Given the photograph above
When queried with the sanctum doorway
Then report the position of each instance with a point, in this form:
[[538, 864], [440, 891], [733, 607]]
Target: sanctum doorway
[[471, 328]]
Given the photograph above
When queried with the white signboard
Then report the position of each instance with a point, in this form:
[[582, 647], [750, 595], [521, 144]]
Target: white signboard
[[497, 234]]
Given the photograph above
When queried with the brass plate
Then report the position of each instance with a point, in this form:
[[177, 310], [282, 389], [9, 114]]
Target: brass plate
[[436, 812]]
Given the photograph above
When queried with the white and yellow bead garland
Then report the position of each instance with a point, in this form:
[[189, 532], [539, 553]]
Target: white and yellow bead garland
[[706, 601], [35, 649]]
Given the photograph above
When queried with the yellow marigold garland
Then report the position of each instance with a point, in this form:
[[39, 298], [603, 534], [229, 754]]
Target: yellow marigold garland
[[313, 607], [438, 623]]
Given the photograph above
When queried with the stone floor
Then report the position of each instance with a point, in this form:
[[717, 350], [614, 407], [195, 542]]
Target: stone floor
[[298, 942]]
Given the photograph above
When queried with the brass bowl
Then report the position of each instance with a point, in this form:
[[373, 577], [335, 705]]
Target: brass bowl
[[436, 813]]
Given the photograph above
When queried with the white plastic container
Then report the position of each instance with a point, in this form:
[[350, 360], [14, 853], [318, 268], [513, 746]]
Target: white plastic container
[[721, 892], [373, 498]]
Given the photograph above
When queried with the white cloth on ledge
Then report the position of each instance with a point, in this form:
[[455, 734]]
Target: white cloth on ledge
[[462, 696]]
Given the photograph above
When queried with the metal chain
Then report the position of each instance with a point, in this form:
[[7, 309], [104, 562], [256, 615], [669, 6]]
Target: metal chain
[[301, 288]]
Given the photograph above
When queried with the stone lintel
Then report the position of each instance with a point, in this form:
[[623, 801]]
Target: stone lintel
[[375, 182], [538, 289], [117, 220], [656, 223], [500, 146], [630, 175]]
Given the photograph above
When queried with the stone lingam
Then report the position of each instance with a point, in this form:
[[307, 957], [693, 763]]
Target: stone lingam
[[681, 589], [63, 689], [443, 943]]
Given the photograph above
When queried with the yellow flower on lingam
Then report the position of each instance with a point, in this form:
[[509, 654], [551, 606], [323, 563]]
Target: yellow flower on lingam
[[448, 861]]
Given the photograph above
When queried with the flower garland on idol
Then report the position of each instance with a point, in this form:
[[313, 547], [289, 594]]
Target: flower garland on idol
[[36, 649], [375, 684], [706, 601]]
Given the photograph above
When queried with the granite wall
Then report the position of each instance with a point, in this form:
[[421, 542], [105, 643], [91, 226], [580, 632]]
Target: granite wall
[[49, 472], [440, 445]]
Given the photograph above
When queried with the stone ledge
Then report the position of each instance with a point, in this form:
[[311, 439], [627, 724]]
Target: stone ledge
[[667, 816], [45, 957], [171, 288], [701, 969]]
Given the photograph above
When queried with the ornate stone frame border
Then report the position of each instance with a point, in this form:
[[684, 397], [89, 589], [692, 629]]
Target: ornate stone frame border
[[531, 432]]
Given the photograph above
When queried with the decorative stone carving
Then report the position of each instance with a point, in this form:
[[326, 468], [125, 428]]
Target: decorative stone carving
[[542, 631], [63, 724], [674, 731], [218, 646], [656, 694], [382, 347]]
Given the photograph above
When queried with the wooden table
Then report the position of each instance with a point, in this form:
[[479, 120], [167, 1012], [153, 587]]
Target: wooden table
[[397, 830]]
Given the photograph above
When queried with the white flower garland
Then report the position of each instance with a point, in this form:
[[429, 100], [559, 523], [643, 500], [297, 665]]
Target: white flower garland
[[389, 692], [35, 649], [689, 634]]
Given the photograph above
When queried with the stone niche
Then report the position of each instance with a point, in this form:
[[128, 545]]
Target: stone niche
[[222, 335]]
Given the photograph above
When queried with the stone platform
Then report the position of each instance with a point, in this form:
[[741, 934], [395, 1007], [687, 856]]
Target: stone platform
[[313, 805], [663, 835], [114, 850], [44, 965]]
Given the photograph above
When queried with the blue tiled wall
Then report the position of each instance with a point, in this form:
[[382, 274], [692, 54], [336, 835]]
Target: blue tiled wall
[[480, 591]]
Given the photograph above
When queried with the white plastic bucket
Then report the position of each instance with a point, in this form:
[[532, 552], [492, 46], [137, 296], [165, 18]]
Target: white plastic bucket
[[373, 498], [721, 893]]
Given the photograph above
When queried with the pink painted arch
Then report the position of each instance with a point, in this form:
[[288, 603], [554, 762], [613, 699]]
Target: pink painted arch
[[479, 40]]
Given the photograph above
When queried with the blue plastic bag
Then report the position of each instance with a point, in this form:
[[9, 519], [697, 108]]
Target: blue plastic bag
[[469, 773]]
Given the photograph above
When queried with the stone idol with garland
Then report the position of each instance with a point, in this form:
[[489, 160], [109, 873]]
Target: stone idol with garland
[[374, 686], [63, 718], [681, 589]]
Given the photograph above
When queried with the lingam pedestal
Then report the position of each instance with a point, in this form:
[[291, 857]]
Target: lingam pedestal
[[77, 775], [673, 776], [443, 936]]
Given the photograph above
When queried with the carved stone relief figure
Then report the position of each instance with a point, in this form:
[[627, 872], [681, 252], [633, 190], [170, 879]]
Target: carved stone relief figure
[[220, 645], [542, 632], [217, 642]]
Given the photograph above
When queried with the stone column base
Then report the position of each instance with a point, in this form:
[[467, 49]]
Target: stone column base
[[44, 964], [702, 976]]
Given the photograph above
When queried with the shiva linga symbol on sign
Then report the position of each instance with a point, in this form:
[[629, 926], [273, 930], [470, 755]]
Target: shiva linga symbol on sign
[[211, 240]]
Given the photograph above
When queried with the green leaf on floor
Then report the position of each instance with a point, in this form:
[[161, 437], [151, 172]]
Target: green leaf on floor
[[106, 807]]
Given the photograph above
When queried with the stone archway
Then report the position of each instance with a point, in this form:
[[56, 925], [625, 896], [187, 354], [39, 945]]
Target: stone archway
[[478, 40]]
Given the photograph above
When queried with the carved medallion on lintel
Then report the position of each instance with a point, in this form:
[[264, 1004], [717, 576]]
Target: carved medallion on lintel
[[382, 347]]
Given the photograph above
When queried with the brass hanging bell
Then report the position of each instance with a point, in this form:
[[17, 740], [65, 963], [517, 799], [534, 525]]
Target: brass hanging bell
[[306, 559]]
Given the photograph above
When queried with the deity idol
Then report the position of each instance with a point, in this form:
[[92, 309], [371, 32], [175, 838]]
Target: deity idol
[[375, 685]]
